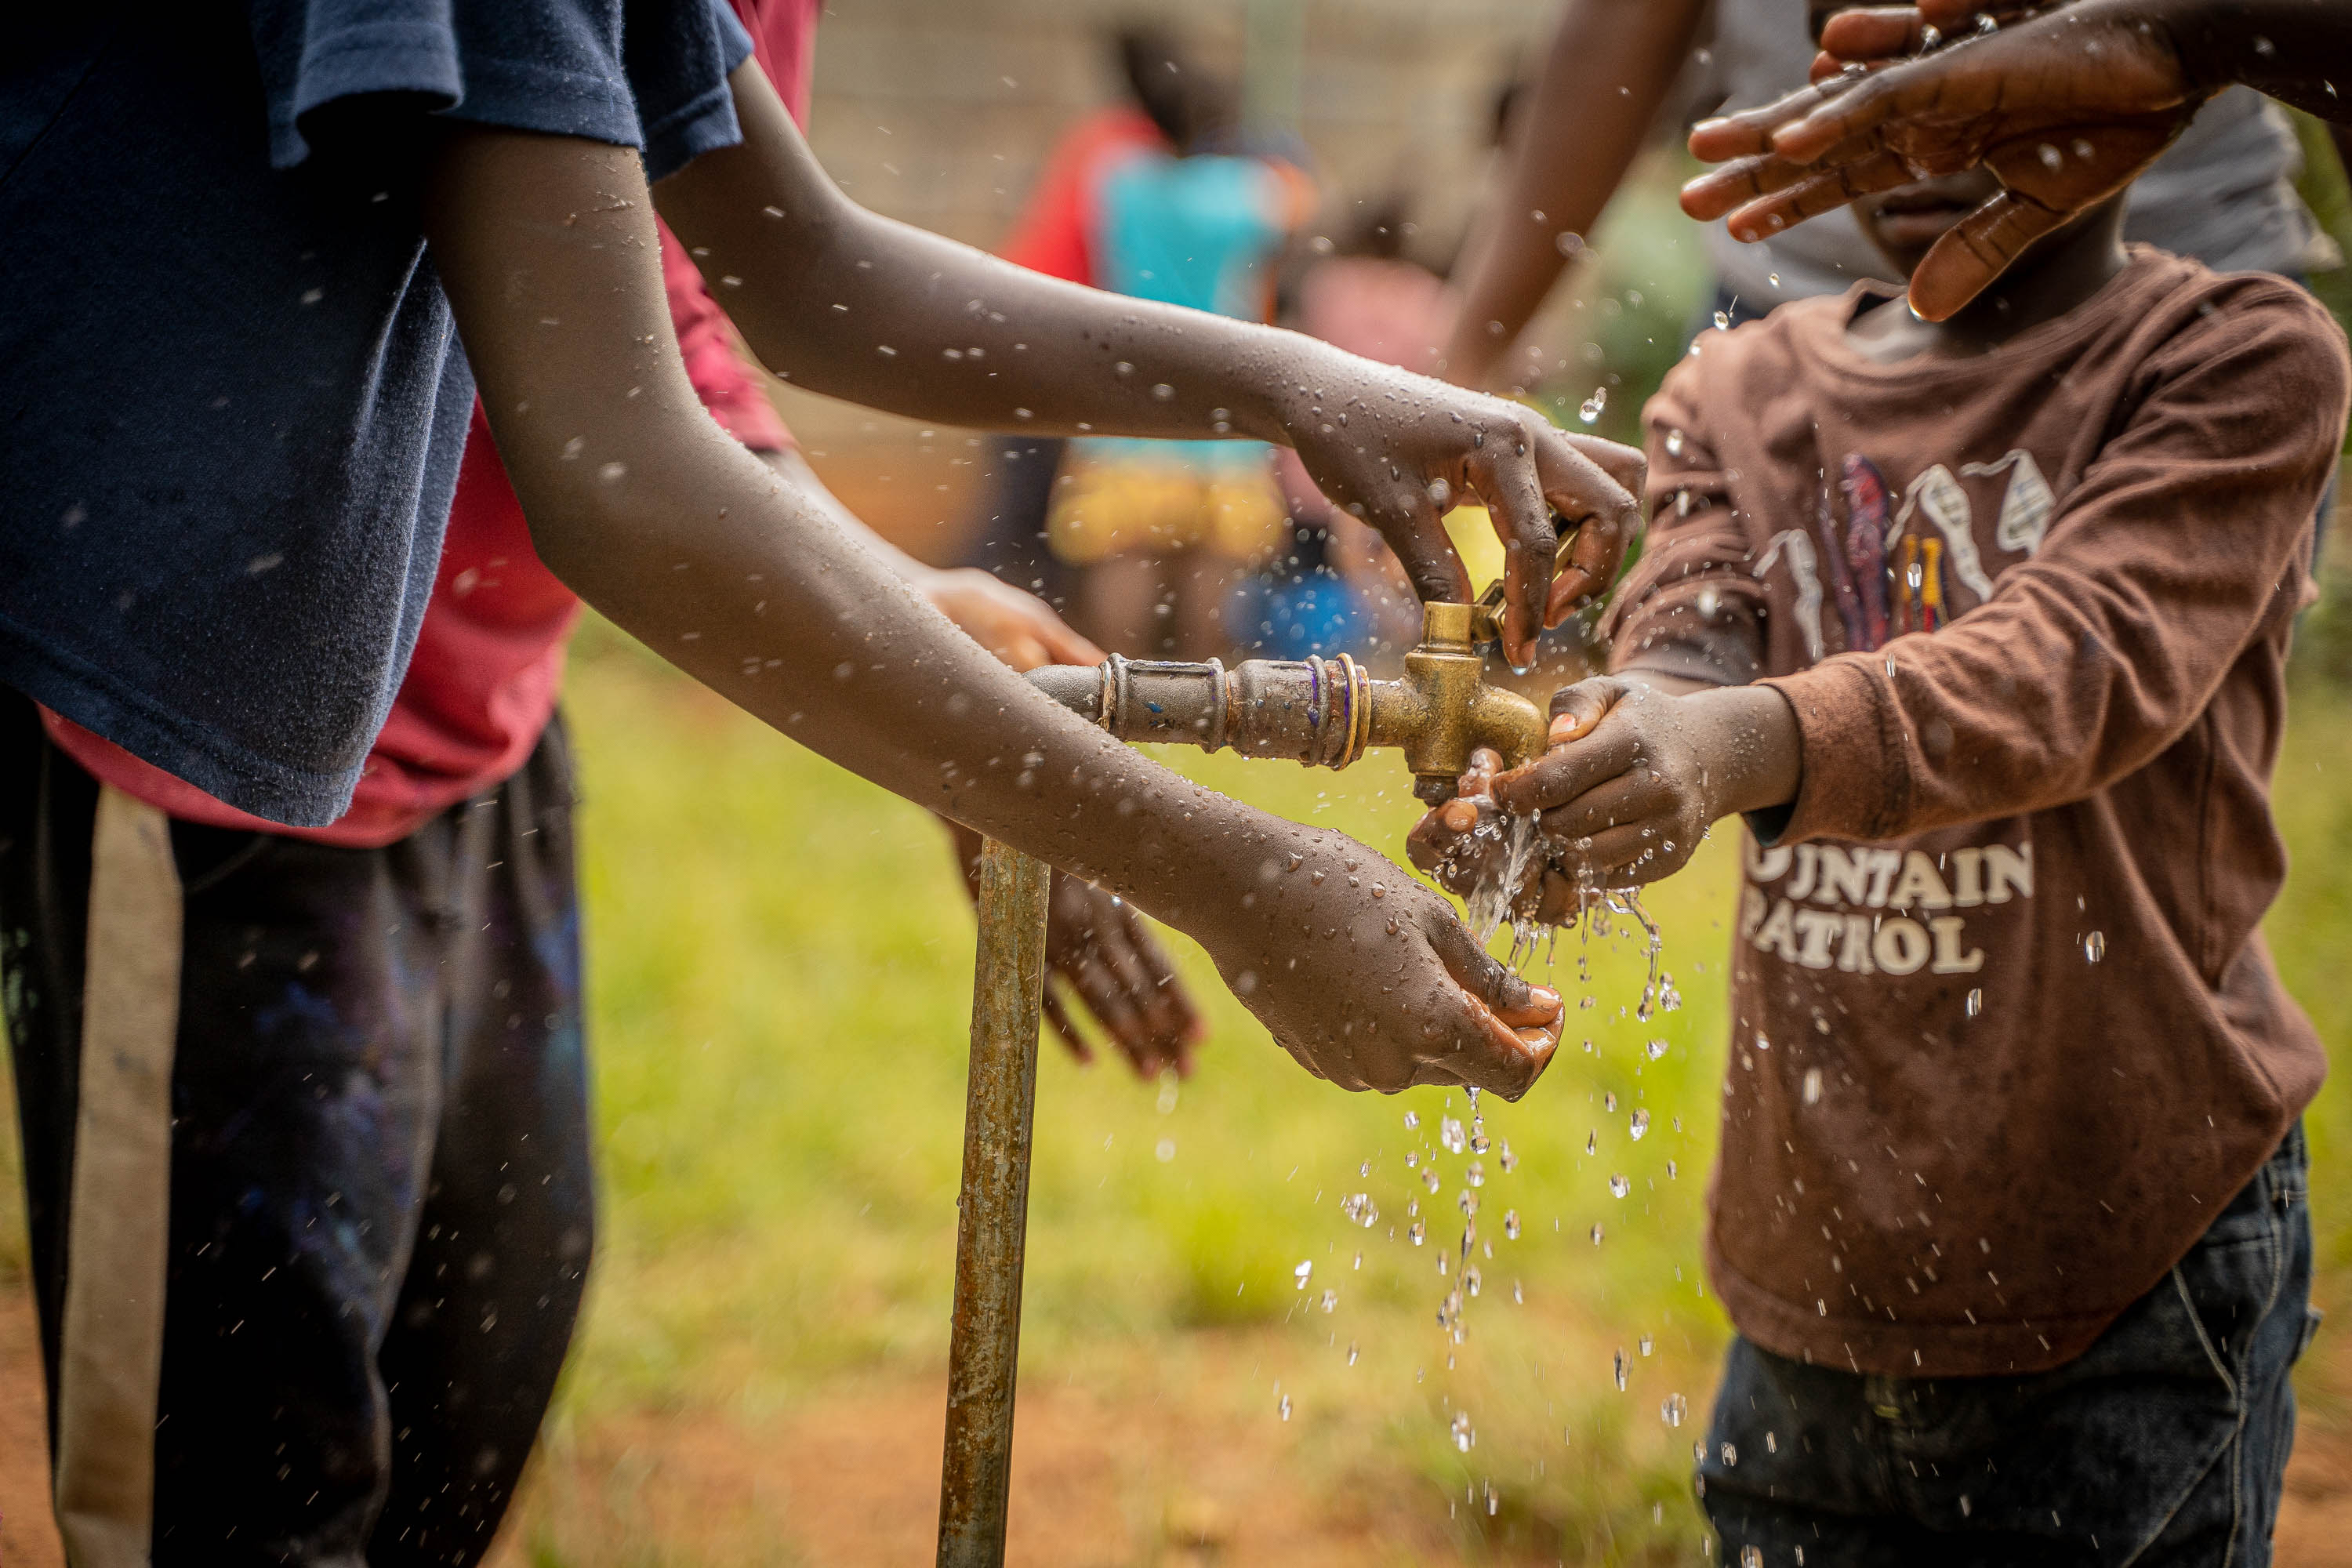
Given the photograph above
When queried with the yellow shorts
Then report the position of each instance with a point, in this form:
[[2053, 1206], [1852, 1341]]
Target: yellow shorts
[[1122, 508]]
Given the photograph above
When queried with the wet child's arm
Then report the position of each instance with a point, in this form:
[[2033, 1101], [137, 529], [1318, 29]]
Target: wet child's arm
[[546, 248], [857, 306]]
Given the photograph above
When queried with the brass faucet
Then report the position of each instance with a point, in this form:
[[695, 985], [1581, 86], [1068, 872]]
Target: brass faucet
[[1322, 712]]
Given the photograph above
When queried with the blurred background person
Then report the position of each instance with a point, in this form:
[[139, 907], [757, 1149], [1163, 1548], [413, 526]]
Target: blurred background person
[[1159, 198]]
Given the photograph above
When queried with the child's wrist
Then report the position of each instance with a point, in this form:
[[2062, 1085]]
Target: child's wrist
[[1755, 750]]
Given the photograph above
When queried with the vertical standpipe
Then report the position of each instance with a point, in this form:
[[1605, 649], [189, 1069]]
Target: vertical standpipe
[[992, 1214]]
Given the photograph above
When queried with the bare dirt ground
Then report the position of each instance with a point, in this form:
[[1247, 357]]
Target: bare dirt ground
[[850, 1479]]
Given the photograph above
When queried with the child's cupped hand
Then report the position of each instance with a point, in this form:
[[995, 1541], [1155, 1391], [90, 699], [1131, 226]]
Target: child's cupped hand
[[1366, 977], [1624, 796]]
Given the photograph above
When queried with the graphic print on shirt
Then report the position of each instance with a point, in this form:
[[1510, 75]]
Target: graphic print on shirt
[[1887, 577], [1865, 908]]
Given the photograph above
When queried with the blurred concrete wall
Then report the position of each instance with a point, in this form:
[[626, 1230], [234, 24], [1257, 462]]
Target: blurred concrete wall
[[941, 111]]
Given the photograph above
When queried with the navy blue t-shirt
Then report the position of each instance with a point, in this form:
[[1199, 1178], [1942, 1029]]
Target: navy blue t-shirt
[[232, 401]]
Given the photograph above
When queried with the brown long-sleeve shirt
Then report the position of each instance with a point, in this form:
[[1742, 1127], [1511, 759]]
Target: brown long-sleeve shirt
[[2006, 1034]]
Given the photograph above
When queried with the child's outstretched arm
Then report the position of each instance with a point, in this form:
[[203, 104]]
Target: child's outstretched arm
[[859, 307], [545, 246]]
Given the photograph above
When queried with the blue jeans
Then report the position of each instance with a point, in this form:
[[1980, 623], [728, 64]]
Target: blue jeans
[[2164, 1444]]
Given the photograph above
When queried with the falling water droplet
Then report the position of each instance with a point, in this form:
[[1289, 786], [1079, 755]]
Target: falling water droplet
[[1618, 1186], [1618, 1369], [1508, 1160], [1596, 1232], [1723, 320], [1645, 1344], [1812, 1085], [1640, 1124], [1730, 1455], [1419, 1231], [1975, 1001], [1412, 1119], [1517, 1297], [1463, 1433], [1449, 1132], [1656, 1049], [1592, 1142], [1475, 1173], [1590, 411], [1284, 1407], [1331, 1301], [1301, 1274], [1751, 1557], [1608, 1099], [1672, 1411], [1511, 1224], [1352, 1353], [1429, 1178]]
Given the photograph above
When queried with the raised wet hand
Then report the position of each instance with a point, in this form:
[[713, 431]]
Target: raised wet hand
[[2066, 109], [1397, 449]]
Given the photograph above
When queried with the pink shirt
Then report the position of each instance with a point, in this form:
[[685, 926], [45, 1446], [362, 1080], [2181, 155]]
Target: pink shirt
[[482, 682]]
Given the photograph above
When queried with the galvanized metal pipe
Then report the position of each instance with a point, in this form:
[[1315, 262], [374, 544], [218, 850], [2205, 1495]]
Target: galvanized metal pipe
[[993, 1215]]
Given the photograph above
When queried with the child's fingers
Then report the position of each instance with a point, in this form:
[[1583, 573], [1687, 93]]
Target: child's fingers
[[1820, 190], [1072, 1041], [1576, 710], [1871, 33], [1975, 251], [1633, 797], [1563, 775]]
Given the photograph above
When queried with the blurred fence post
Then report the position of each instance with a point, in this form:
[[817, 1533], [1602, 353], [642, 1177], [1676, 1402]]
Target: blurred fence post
[[993, 1212]]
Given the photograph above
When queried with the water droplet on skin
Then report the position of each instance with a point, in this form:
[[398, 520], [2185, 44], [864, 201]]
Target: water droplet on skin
[[1723, 320], [1164, 392], [1672, 1411], [1674, 439], [1619, 1186], [1974, 1004], [1762, 1042], [2095, 946], [1812, 1085], [1930, 36], [1639, 1125]]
